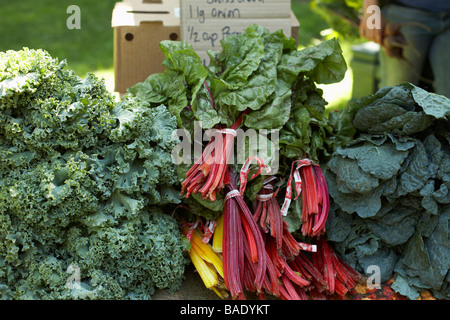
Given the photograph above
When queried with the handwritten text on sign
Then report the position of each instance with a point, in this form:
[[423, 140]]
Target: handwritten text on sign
[[204, 23]]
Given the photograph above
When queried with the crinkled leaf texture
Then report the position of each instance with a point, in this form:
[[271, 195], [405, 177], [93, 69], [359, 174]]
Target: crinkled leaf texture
[[85, 186], [390, 189]]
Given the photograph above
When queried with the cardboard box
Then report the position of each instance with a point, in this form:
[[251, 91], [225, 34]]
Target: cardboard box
[[204, 23], [140, 25]]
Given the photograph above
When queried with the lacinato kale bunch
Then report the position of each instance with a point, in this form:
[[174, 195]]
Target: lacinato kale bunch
[[86, 185], [390, 189]]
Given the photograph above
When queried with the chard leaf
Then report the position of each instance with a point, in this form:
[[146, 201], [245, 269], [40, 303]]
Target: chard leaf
[[341, 121], [240, 57], [204, 110], [262, 82], [167, 88], [205, 207], [323, 63], [152, 90], [274, 114], [294, 216], [331, 67], [182, 58]]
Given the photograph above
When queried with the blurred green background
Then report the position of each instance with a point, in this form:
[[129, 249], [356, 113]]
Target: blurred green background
[[42, 24]]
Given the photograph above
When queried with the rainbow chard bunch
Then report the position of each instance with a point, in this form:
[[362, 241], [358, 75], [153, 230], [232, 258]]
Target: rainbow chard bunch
[[258, 252], [258, 247], [339, 277], [267, 213], [259, 80], [244, 255], [210, 173], [206, 260], [309, 179]]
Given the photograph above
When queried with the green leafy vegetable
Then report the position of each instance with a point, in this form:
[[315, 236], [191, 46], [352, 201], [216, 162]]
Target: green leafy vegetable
[[390, 188], [262, 74], [85, 186]]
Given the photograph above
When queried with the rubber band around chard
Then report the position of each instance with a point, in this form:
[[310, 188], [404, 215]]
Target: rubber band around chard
[[308, 247], [192, 226], [208, 230], [245, 170], [232, 194], [213, 132], [268, 196]]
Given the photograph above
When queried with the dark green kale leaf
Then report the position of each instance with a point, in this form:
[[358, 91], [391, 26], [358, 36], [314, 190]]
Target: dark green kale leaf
[[390, 188]]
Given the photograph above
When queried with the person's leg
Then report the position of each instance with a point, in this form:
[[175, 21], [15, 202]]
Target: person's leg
[[440, 59], [418, 28]]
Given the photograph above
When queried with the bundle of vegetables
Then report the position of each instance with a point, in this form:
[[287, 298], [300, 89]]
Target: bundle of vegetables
[[206, 258], [260, 74], [86, 183], [258, 80], [243, 245], [210, 173], [390, 189], [309, 177]]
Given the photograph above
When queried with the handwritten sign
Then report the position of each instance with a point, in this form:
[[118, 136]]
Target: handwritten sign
[[204, 23]]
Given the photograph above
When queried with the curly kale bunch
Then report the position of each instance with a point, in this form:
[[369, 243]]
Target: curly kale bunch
[[85, 187]]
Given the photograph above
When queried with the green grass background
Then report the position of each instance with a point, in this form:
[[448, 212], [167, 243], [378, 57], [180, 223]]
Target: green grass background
[[42, 24]]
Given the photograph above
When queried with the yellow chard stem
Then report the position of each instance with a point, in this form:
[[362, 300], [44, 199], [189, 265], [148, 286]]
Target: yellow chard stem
[[218, 235], [208, 274], [206, 252]]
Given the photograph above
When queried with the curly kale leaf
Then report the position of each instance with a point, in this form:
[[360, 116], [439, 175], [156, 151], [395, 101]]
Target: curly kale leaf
[[85, 185]]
